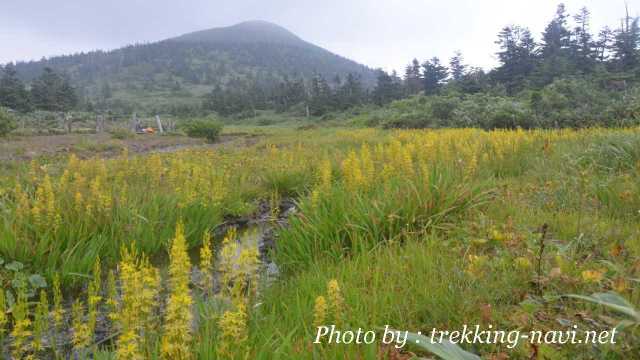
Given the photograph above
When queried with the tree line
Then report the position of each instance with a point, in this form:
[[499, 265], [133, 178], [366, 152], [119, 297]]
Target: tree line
[[567, 50], [50, 91], [529, 68], [564, 50]]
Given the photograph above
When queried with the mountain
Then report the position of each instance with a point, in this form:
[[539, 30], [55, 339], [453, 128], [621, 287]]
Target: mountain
[[244, 33], [251, 58]]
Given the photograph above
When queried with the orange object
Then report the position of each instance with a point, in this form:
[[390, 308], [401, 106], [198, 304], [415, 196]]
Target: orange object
[[149, 130]]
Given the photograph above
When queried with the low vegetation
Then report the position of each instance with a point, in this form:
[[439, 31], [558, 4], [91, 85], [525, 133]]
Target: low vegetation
[[208, 128], [487, 227], [7, 122]]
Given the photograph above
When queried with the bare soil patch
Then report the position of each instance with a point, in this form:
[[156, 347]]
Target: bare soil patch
[[26, 148]]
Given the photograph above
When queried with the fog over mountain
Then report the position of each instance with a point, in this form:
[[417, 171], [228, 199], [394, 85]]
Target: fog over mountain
[[376, 33]]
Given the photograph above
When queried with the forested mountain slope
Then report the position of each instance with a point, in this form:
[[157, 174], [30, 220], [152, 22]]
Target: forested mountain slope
[[251, 59]]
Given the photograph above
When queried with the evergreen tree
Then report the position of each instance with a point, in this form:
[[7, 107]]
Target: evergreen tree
[[583, 47], [13, 93], [321, 96], [106, 92], [53, 92], [351, 92], [388, 88], [517, 56], [625, 46], [555, 49], [434, 75], [289, 93], [604, 44], [413, 78], [473, 81], [67, 96], [457, 66], [556, 36]]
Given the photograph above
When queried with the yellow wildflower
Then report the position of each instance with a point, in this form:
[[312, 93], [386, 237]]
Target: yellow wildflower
[[523, 263], [81, 332], [336, 301], [21, 326], [233, 330], [592, 276], [319, 312], [41, 321], [58, 311], [176, 340], [476, 265], [3, 314]]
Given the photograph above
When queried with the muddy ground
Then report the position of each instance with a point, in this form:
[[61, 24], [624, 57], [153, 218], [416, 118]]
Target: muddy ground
[[25, 148]]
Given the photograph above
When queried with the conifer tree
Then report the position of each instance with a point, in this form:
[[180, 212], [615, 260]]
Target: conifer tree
[[13, 93], [434, 75]]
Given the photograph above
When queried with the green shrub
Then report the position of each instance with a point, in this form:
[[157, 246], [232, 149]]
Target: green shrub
[[409, 121], [571, 103], [121, 133], [203, 128], [508, 114], [7, 122]]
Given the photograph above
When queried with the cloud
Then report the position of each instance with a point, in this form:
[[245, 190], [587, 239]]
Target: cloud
[[385, 34]]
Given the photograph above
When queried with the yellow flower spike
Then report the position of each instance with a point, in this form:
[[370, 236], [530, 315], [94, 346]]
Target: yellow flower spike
[[368, 168], [23, 208], [81, 332], [149, 296], [325, 174], [315, 197], [245, 275], [78, 202], [128, 348], [227, 262], [4, 319], [523, 263], [112, 297], [21, 326], [407, 161], [497, 235], [320, 312], [94, 298], [206, 264], [128, 319], [48, 198], [233, 331], [352, 172], [476, 265], [41, 324], [58, 310], [620, 285], [177, 337], [336, 301]]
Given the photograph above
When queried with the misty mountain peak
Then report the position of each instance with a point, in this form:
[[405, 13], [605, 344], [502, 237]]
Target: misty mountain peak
[[254, 31]]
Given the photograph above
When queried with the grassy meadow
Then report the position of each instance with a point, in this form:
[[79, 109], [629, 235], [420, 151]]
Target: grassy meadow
[[132, 256]]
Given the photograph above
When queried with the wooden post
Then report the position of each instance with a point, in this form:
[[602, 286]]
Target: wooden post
[[134, 122], [99, 124], [159, 124], [68, 122]]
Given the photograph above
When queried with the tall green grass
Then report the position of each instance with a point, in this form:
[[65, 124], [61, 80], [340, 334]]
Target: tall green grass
[[344, 222]]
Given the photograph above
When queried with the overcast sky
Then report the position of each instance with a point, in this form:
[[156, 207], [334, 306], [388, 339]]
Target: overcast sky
[[377, 33]]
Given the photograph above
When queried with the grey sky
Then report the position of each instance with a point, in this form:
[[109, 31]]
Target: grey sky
[[377, 33]]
